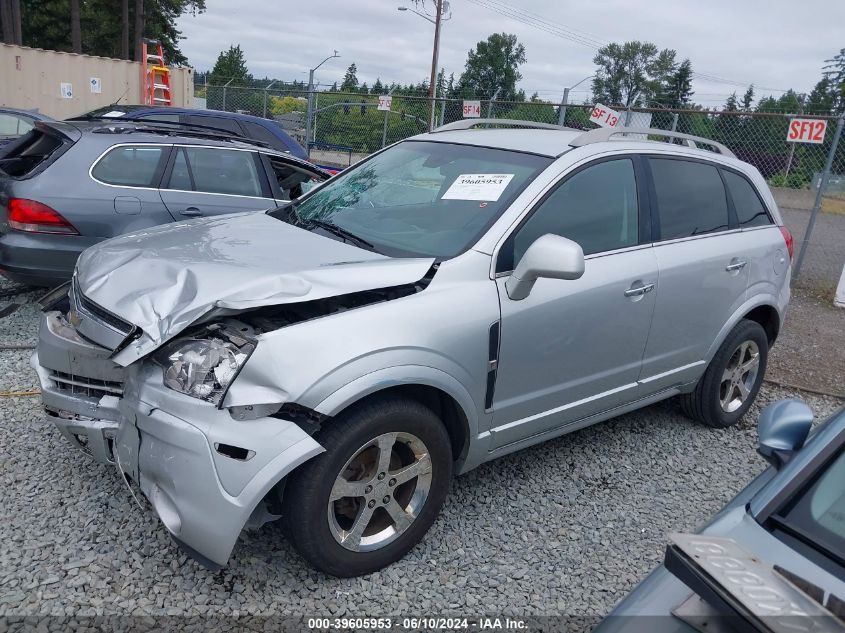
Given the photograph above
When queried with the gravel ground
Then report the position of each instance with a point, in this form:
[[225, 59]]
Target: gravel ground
[[567, 527]]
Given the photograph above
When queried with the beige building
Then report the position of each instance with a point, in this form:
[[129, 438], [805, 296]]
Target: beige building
[[62, 85]]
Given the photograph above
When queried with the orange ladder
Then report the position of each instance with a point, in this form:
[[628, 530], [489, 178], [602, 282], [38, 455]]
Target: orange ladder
[[155, 80]]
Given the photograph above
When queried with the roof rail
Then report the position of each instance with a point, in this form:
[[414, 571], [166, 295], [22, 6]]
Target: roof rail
[[468, 124], [605, 133]]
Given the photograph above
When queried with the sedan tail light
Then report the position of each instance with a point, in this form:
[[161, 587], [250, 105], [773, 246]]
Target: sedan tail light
[[790, 243], [34, 217]]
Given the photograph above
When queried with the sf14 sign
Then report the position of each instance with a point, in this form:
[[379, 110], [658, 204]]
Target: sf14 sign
[[472, 109], [385, 102], [806, 131], [604, 116]]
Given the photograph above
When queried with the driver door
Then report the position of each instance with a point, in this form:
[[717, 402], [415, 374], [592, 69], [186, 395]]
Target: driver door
[[574, 348]]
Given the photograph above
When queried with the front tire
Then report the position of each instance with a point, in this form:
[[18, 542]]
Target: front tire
[[729, 385], [374, 493]]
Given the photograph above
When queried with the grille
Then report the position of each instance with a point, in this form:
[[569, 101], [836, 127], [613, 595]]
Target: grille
[[88, 387]]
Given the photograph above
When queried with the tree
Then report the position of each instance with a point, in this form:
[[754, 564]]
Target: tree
[[748, 98], [834, 72], [631, 73], [124, 29], [676, 88], [104, 27], [230, 65], [821, 99], [10, 17], [493, 65], [350, 79], [75, 27], [378, 87]]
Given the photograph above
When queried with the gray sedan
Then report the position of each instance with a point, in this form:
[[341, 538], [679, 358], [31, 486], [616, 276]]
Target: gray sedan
[[773, 559], [66, 186]]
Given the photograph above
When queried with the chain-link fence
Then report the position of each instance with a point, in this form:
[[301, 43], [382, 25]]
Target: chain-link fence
[[343, 128]]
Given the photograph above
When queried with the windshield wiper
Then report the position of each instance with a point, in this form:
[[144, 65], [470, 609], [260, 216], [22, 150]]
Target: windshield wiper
[[339, 231]]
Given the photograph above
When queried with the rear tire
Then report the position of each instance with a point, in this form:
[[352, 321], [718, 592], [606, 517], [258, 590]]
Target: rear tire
[[729, 385], [358, 507]]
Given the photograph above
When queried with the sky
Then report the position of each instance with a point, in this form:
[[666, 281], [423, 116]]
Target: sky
[[775, 44]]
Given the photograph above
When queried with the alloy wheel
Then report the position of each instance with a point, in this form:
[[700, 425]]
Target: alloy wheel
[[379, 492], [739, 376]]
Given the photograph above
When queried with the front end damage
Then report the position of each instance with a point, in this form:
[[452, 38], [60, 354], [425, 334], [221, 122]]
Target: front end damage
[[207, 471]]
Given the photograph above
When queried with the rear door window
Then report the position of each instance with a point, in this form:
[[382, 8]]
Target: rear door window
[[691, 198], [131, 166], [749, 208], [216, 170]]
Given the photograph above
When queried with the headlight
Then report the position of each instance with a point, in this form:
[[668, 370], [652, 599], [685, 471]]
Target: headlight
[[202, 368]]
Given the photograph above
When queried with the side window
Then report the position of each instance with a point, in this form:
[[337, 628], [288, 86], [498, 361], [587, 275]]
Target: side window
[[180, 177], [167, 118], [261, 133], [691, 198], [13, 126], [129, 166], [596, 207], [749, 209], [225, 125], [214, 170]]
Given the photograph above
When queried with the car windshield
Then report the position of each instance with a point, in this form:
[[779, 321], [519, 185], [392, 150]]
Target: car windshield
[[818, 514], [420, 199]]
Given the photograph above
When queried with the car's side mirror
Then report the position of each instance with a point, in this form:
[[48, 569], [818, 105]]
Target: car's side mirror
[[550, 256], [782, 429]]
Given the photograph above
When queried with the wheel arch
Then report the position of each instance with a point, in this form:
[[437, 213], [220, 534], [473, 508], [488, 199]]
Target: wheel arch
[[762, 310], [433, 388]]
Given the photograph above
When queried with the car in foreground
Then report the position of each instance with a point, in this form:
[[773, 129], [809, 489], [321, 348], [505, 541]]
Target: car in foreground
[[773, 559], [67, 186], [454, 298], [255, 128], [15, 122]]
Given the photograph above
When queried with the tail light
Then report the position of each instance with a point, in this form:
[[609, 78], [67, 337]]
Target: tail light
[[790, 243], [34, 217]]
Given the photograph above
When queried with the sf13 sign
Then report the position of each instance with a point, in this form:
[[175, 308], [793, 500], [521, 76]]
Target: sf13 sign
[[604, 116], [806, 131], [472, 109], [385, 102]]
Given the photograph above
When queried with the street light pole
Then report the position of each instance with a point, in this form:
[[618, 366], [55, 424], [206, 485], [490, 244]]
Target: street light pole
[[565, 100], [310, 109]]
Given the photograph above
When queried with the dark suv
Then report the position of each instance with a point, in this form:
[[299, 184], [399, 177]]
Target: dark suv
[[67, 185], [265, 131]]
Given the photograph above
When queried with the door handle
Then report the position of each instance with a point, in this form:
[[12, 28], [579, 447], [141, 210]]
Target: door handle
[[639, 290], [736, 265], [192, 211]]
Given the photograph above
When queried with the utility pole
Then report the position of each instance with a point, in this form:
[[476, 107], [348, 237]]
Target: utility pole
[[310, 109], [435, 55]]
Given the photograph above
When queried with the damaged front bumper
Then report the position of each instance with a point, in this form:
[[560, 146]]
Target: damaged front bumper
[[204, 472]]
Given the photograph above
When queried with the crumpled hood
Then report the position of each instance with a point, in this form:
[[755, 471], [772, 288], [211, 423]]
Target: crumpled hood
[[165, 278]]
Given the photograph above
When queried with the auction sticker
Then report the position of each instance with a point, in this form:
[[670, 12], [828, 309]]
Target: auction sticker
[[488, 187]]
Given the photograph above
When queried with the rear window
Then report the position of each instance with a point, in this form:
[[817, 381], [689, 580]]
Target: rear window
[[30, 153], [130, 166], [749, 209], [690, 198]]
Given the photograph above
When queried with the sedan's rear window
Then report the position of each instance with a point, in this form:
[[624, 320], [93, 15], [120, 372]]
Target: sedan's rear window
[[130, 166]]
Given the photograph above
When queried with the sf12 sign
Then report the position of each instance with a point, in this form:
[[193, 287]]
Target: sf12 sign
[[806, 131], [385, 102], [472, 109], [604, 116]]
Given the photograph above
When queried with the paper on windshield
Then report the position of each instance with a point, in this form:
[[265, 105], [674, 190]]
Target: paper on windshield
[[486, 187]]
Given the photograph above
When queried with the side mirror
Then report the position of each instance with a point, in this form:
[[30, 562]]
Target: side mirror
[[782, 429], [550, 256]]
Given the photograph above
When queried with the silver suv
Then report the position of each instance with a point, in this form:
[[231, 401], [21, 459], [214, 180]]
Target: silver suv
[[456, 297]]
